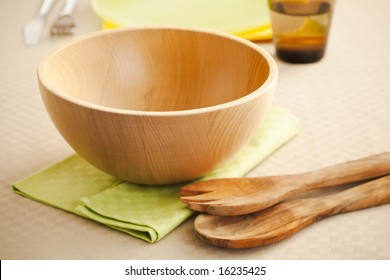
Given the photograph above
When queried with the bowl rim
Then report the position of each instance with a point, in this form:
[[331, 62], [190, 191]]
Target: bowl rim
[[270, 81]]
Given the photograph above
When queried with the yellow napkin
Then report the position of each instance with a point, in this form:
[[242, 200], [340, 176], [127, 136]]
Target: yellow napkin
[[146, 212], [248, 19]]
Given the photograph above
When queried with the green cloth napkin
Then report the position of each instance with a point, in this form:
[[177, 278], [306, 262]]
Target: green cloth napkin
[[146, 212]]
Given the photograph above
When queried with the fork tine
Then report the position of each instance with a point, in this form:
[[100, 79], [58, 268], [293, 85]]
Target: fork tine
[[205, 197], [195, 189], [204, 186], [65, 24], [233, 186]]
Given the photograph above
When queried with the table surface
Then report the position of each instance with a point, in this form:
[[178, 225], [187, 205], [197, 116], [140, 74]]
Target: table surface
[[342, 101]]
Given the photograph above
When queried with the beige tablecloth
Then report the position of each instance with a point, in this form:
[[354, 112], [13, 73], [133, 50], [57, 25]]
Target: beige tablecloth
[[343, 103]]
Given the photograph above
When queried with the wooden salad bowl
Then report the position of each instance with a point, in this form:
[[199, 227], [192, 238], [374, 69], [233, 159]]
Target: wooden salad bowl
[[157, 105]]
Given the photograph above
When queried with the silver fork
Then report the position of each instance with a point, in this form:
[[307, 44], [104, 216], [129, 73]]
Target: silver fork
[[65, 24]]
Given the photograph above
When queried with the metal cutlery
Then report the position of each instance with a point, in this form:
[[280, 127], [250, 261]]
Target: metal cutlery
[[65, 25], [32, 30]]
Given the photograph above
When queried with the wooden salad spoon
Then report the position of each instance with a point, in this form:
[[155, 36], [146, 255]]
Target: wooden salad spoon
[[238, 196], [286, 218]]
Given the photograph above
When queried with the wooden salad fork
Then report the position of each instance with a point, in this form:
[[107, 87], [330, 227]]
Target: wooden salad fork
[[238, 196], [288, 217]]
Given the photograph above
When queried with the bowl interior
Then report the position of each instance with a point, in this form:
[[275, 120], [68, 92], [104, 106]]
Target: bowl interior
[[156, 69]]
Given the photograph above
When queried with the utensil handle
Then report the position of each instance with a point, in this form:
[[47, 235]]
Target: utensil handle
[[372, 193], [68, 7], [45, 8], [347, 172]]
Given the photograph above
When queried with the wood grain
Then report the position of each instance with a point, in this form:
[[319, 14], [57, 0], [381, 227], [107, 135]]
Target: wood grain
[[157, 105], [238, 196], [286, 218]]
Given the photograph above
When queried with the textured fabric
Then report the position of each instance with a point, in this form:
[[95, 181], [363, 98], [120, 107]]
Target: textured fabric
[[146, 212]]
